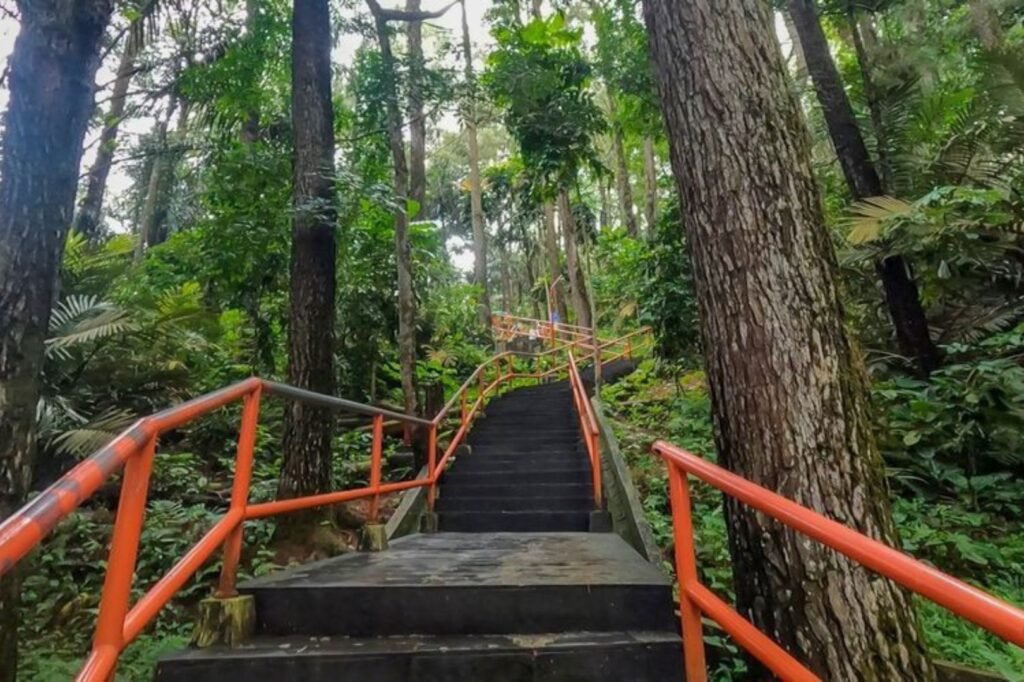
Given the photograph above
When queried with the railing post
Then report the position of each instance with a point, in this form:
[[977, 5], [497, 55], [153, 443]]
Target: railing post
[[124, 550], [376, 453], [240, 492], [463, 415], [431, 464], [686, 573]]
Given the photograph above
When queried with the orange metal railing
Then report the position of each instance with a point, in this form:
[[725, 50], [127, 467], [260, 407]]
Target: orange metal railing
[[588, 426], [696, 600], [119, 622]]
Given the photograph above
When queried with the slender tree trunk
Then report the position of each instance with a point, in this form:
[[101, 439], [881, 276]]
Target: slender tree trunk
[[476, 192], [556, 289], [530, 249], [251, 128], [606, 203], [901, 295], [417, 117], [622, 184], [796, 53], [577, 279], [535, 8], [650, 185], [874, 100], [308, 430], [90, 211], [788, 386], [154, 207], [403, 250], [51, 79]]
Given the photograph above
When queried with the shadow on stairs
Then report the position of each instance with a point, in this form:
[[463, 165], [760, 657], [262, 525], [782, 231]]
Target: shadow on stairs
[[513, 588]]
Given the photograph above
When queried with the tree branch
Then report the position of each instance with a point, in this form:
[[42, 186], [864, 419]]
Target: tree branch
[[404, 15]]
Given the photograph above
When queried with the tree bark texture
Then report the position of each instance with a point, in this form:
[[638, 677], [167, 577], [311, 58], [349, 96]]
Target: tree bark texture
[[622, 173], [308, 430], [577, 278], [788, 387], [403, 249], [475, 183], [51, 79], [90, 211], [901, 295], [650, 185], [417, 117], [556, 288]]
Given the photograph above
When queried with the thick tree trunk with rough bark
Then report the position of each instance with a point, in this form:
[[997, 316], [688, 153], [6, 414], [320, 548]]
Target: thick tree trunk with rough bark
[[577, 278], [901, 295], [90, 211], [476, 192], [308, 430], [555, 286], [51, 80], [417, 117], [788, 386], [650, 185]]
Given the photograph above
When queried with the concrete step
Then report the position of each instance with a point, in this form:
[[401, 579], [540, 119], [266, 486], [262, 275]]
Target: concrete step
[[478, 504], [482, 464], [537, 520], [539, 490], [450, 583], [456, 477], [636, 656]]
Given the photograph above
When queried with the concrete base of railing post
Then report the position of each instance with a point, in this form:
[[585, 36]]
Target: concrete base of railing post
[[374, 538], [600, 521], [229, 621], [429, 523]]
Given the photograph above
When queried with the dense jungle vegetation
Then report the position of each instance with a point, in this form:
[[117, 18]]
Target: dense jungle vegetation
[[815, 204]]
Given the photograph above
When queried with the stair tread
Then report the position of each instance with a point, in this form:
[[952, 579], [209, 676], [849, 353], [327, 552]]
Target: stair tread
[[292, 646], [498, 559]]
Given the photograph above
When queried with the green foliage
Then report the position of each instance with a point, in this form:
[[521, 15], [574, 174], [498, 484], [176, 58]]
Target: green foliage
[[539, 78]]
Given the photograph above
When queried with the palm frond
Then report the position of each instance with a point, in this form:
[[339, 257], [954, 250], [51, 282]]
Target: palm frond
[[868, 217], [83, 319]]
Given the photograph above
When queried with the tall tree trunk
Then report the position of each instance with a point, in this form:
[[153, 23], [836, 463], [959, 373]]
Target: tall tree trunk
[[307, 429], [51, 79], [901, 295], [796, 53], [788, 386], [154, 207], [530, 249], [476, 192], [606, 203], [622, 172], [90, 211], [650, 185], [555, 287], [874, 100], [535, 8], [403, 250], [417, 117], [577, 279]]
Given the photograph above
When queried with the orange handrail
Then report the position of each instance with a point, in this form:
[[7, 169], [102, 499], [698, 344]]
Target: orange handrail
[[119, 622], [977, 606], [588, 426]]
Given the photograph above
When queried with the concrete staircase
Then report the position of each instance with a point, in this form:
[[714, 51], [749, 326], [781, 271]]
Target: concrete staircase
[[512, 590]]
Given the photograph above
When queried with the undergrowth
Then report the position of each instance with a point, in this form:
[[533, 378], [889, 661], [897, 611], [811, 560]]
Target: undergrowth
[[963, 528]]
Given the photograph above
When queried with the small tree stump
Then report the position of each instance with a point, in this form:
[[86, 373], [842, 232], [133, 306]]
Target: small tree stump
[[227, 621]]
